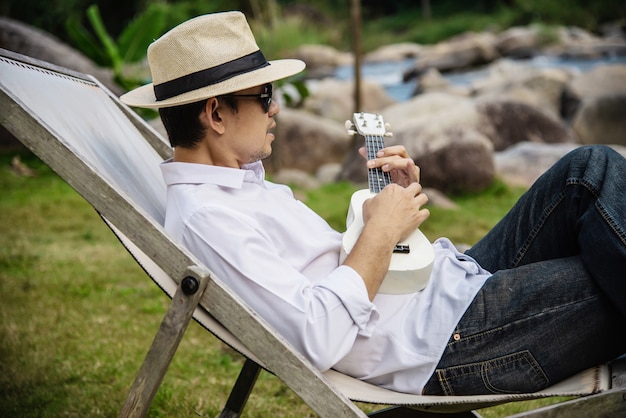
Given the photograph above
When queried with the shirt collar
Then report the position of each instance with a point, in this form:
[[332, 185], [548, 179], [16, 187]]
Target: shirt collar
[[191, 173]]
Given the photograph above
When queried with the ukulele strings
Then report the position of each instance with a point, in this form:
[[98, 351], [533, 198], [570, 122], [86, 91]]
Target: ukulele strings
[[377, 178]]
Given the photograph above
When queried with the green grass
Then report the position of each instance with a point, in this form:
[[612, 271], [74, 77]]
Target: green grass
[[411, 27], [77, 315]]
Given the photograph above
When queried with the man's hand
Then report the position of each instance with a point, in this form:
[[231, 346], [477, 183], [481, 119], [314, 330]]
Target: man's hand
[[397, 210], [396, 161]]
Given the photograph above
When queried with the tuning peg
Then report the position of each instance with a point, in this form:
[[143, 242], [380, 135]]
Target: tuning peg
[[387, 126], [388, 134], [350, 127]]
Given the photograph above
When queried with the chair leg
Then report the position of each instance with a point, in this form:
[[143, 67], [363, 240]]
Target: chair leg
[[241, 391], [166, 341], [618, 372]]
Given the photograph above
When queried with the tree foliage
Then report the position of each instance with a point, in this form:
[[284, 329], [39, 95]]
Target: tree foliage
[[116, 15]]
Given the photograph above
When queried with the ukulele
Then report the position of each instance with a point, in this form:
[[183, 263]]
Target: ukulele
[[412, 259]]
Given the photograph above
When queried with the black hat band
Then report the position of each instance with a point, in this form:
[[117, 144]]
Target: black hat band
[[210, 76]]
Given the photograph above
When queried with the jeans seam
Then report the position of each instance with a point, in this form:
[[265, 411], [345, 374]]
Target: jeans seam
[[514, 358], [621, 235], [535, 231], [444, 381]]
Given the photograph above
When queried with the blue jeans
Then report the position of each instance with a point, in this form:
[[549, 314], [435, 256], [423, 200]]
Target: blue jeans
[[556, 302]]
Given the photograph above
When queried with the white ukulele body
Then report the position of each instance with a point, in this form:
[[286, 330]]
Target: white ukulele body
[[412, 261]]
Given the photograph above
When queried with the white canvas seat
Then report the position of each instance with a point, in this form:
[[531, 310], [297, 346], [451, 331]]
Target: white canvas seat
[[110, 156]]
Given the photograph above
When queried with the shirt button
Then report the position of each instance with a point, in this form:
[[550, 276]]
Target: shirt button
[[456, 336]]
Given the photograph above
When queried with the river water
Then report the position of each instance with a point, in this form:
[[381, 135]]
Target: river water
[[390, 74]]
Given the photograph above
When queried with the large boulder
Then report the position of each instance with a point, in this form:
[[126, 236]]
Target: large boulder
[[511, 122], [523, 163], [306, 142], [602, 120], [467, 50], [604, 80], [461, 163], [518, 42], [539, 87], [503, 122], [394, 52], [575, 42], [27, 40], [334, 99], [321, 60], [431, 81]]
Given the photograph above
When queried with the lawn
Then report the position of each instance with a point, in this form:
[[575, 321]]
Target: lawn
[[77, 314]]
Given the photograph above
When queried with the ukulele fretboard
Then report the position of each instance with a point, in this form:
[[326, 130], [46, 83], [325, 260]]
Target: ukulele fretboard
[[376, 177]]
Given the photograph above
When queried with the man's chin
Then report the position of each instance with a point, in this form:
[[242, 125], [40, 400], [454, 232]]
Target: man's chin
[[261, 156]]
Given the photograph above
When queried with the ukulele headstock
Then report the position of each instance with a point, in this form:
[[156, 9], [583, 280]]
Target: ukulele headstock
[[367, 124]]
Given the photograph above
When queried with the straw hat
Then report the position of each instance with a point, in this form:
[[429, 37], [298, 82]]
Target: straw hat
[[205, 57]]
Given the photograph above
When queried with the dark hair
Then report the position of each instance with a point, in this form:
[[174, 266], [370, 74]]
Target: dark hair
[[182, 123]]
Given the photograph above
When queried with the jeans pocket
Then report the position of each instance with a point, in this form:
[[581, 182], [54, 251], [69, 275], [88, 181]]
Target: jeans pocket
[[514, 373]]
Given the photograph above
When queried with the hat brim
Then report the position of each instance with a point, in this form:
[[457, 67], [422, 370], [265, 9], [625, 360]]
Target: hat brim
[[277, 69]]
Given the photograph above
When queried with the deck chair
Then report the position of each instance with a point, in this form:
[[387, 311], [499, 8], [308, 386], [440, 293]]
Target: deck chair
[[110, 156]]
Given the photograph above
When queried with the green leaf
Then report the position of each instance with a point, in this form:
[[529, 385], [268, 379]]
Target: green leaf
[[85, 42], [93, 14], [149, 25]]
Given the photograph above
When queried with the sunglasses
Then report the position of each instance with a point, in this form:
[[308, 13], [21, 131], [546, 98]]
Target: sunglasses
[[265, 98]]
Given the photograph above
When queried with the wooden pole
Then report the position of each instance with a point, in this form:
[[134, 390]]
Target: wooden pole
[[426, 14], [356, 49]]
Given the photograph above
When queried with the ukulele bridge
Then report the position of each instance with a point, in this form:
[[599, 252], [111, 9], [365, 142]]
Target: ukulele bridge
[[401, 249]]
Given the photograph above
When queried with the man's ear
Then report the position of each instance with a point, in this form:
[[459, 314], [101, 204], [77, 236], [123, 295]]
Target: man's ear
[[213, 115]]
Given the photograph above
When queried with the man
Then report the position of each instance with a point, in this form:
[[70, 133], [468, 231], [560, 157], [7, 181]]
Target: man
[[539, 298]]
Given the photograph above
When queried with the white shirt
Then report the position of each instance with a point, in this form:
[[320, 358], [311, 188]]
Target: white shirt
[[283, 260]]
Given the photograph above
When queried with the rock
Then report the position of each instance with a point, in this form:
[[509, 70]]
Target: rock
[[334, 99], [434, 110], [602, 120], [463, 164], [20, 169], [548, 85], [306, 142], [604, 80], [394, 52], [522, 163], [438, 199], [510, 122], [468, 50], [432, 81], [518, 42], [321, 60], [328, 173], [539, 87], [295, 177], [577, 43], [27, 40]]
